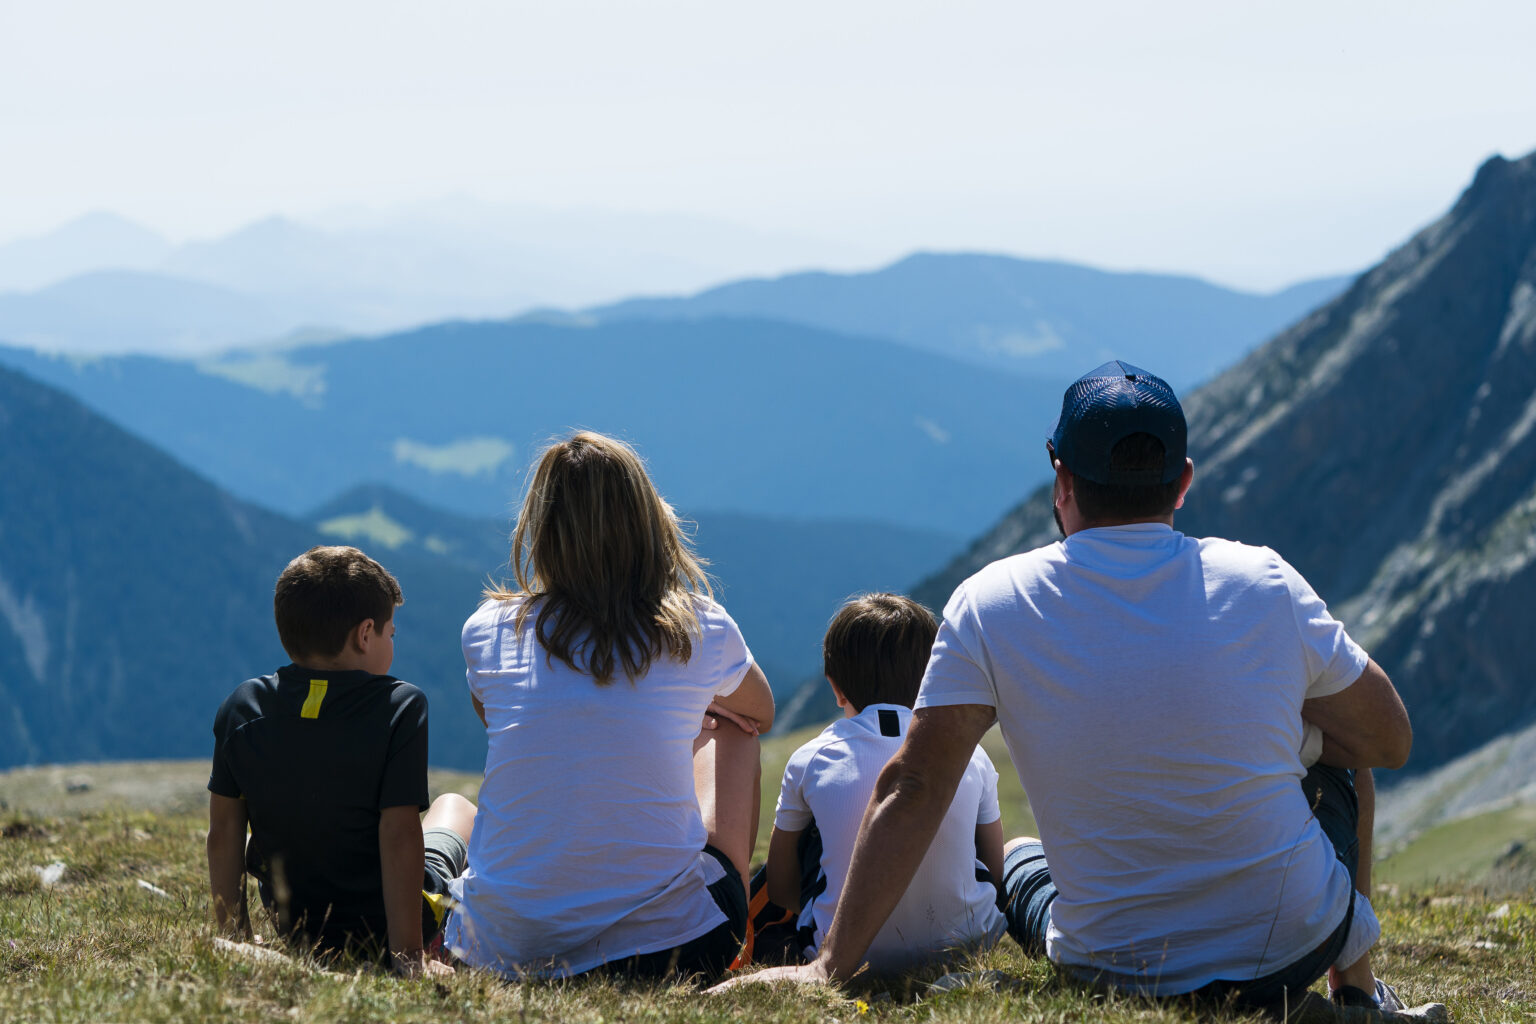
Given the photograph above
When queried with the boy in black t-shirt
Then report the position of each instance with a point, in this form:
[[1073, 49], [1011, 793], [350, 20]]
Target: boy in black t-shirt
[[326, 760]]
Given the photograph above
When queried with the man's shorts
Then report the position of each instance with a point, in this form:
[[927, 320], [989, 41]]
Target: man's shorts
[[1028, 891], [707, 956]]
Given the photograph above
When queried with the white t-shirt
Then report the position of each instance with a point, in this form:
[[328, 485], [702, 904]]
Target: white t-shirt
[[1149, 687], [588, 843], [831, 778]]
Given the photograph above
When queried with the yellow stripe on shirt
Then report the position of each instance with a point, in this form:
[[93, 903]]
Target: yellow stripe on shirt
[[311, 708]]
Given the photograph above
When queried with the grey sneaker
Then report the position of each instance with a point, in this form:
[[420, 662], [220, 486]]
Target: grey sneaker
[[1387, 1002]]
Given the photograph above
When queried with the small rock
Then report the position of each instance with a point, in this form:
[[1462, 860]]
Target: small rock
[[992, 981], [81, 785], [1502, 912], [152, 887], [250, 951], [1487, 944], [49, 876], [140, 835]]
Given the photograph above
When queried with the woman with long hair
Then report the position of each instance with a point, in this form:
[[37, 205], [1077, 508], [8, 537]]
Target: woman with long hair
[[612, 829]]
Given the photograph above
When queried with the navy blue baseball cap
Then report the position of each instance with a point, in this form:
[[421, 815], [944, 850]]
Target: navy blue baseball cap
[[1109, 404]]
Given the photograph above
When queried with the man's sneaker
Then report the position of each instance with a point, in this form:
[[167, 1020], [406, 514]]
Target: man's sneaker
[[1386, 1000]]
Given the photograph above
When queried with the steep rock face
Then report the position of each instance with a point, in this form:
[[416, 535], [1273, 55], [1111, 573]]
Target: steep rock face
[[1384, 445]]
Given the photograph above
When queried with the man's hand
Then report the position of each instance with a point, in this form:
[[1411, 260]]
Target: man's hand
[[813, 973]]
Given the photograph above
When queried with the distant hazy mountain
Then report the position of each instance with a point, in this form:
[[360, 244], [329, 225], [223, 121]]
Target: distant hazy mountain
[[115, 311], [97, 241], [780, 578], [134, 595], [1384, 446], [1035, 317], [365, 271], [764, 418]]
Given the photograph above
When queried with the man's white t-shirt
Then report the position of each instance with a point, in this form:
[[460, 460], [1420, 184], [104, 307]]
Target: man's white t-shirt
[[1149, 687], [588, 842], [830, 780]]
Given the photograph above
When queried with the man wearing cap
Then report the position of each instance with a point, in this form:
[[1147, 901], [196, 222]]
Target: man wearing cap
[[1156, 693]]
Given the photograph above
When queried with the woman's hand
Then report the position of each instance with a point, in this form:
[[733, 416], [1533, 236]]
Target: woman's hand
[[714, 713]]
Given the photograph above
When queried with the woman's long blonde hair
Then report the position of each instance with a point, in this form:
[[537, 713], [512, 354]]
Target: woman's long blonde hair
[[600, 553]]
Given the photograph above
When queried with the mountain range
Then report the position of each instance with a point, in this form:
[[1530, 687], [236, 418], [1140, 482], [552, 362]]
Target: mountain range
[[103, 284], [134, 595], [1384, 445], [1035, 317], [363, 271], [747, 416]]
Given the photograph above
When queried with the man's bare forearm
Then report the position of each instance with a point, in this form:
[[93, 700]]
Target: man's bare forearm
[[911, 797], [903, 816]]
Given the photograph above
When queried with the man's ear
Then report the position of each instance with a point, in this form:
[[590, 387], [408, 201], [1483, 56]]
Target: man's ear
[[1185, 479], [1061, 494], [362, 636]]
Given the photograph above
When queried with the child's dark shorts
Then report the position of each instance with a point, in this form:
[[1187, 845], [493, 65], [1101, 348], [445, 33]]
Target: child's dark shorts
[[447, 858]]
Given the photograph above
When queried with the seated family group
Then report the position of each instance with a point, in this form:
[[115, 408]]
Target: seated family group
[[1193, 730]]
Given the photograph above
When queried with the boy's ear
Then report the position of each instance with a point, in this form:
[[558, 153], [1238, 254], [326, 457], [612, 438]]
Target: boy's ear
[[362, 636], [842, 701]]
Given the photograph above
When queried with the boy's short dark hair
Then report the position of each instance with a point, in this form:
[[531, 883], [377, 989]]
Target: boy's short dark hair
[[324, 593], [877, 647]]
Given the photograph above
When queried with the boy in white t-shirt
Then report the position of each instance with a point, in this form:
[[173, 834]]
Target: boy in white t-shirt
[[874, 654]]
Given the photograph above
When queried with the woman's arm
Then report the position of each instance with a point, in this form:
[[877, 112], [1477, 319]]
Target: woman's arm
[[752, 699]]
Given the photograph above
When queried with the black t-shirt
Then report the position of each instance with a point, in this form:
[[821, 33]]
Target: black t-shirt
[[317, 755]]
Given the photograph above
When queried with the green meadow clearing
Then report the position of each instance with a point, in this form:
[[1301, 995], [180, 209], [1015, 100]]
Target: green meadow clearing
[[122, 932]]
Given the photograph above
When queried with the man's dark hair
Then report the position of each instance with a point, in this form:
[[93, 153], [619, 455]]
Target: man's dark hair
[[324, 593], [1098, 502], [877, 647]]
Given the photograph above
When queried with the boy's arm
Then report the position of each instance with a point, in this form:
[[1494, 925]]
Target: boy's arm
[[403, 861], [989, 850], [227, 820], [783, 868]]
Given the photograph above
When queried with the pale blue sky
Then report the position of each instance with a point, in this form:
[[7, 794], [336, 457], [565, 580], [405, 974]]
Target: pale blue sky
[[1253, 143]]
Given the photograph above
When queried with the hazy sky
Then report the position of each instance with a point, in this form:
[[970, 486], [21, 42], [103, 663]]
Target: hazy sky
[[1253, 143]]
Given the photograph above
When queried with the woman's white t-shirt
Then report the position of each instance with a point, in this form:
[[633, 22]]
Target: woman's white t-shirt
[[588, 843]]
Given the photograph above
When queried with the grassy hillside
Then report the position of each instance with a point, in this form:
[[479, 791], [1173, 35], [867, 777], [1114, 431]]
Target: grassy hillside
[[122, 935]]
